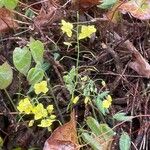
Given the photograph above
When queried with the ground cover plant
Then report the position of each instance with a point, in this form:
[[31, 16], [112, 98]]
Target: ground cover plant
[[74, 74]]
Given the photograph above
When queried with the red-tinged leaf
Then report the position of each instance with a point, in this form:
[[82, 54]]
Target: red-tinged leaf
[[137, 8], [6, 20], [64, 137]]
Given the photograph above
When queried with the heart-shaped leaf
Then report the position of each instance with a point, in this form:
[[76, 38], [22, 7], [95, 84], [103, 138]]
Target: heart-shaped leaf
[[6, 75], [22, 59], [35, 75], [37, 50]]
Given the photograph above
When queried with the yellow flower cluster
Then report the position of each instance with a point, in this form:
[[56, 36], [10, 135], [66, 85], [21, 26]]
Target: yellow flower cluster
[[86, 31], [25, 106], [107, 102], [45, 114]]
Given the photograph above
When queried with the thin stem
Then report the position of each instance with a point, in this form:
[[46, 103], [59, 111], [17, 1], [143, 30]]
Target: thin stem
[[78, 43], [56, 104], [11, 101]]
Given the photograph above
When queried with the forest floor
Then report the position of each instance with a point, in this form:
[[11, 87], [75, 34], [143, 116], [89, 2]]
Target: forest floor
[[114, 59]]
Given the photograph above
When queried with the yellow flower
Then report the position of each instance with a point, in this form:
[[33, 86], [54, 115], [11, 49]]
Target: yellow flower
[[87, 99], [67, 28], [46, 123], [52, 117], [41, 87], [25, 106], [31, 122], [109, 98], [106, 104], [39, 112], [50, 108], [103, 83], [86, 31], [75, 100]]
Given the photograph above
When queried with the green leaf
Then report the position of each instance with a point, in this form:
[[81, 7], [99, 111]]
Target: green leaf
[[37, 50], [93, 125], [22, 59], [107, 4], [35, 75], [124, 141], [1, 3], [10, 4], [6, 75], [91, 141], [122, 117], [106, 132], [69, 80]]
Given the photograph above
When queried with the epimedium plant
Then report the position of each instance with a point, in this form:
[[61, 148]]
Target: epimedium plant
[[75, 83], [22, 58], [72, 79], [22, 62], [32, 106], [101, 134]]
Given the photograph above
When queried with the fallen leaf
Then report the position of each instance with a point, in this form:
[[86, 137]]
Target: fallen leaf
[[85, 4], [6, 20], [113, 14], [64, 137], [140, 65], [139, 9], [49, 13]]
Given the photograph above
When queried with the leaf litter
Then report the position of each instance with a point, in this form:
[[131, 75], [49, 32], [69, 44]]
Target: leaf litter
[[121, 54]]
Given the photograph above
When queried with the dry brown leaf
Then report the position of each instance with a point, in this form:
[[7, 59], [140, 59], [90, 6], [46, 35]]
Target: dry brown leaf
[[6, 20], [64, 137], [49, 13], [140, 65], [85, 4], [138, 8]]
